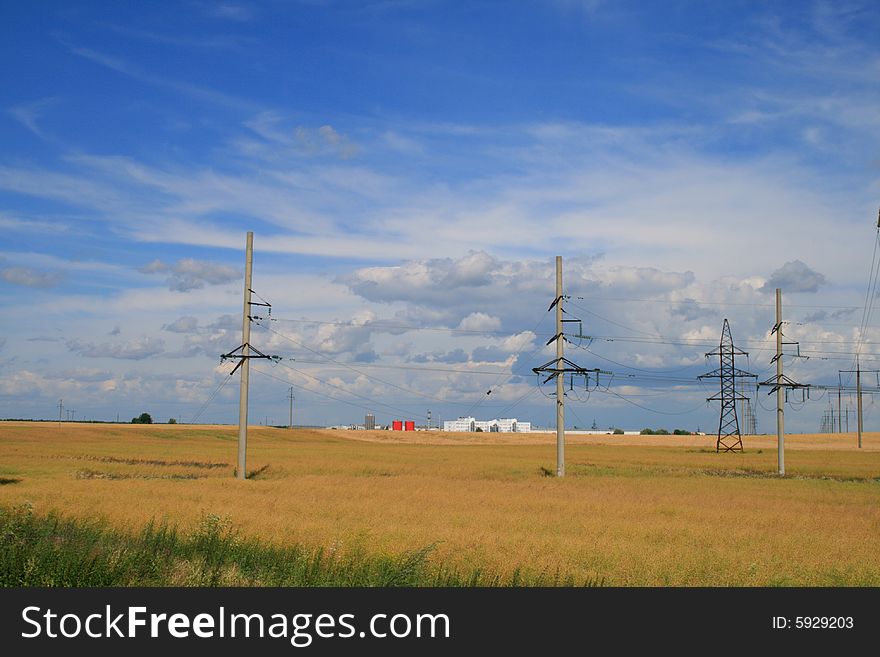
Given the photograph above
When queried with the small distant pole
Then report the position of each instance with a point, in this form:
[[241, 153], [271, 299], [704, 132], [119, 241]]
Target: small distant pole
[[60, 408], [859, 399], [245, 362], [290, 418], [839, 420], [859, 419]]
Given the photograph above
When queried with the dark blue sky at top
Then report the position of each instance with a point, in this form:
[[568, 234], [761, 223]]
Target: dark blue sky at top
[[446, 62]]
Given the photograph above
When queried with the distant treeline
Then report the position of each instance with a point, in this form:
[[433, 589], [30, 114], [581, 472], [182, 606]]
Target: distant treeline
[[666, 432], [30, 419]]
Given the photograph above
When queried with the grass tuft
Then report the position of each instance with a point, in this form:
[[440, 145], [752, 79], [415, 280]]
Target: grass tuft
[[51, 551]]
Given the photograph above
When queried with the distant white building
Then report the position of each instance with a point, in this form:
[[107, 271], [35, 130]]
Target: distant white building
[[461, 424], [506, 425]]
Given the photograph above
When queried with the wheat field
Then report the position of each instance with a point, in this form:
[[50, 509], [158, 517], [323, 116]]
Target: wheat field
[[632, 510]]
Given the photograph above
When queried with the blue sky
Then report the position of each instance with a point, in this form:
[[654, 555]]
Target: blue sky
[[410, 169]]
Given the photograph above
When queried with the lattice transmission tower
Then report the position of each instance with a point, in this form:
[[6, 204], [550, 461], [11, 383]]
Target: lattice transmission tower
[[729, 436]]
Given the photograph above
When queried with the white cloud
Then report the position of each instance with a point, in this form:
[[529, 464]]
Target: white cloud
[[188, 324], [190, 274], [31, 277], [794, 276], [479, 322], [28, 114], [323, 140], [137, 349]]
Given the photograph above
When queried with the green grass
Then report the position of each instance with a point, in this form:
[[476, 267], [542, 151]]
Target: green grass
[[51, 551]]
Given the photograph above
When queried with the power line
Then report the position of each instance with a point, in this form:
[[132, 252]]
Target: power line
[[870, 295], [498, 382], [349, 392], [652, 410], [710, 303], [226, 379], [353, 369], [510, 407]]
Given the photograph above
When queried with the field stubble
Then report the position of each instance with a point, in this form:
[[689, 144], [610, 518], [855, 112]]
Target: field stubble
[[633, 510]]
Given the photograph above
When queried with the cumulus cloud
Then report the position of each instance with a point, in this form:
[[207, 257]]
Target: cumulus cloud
[[86, 375], [187, 324], [794, 276], [226, 323], [480, 292], [351, 338], [479, 322], [31, 277], [424, 280], [823, 315], [368, 356], [490, 355], [211, 339], [453, 356], [190, 274], [137, 349], [689, 310]]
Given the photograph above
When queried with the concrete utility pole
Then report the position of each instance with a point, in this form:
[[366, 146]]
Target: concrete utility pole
[[290, 419], [859, 419], [859, 398], [245, 350], [559, 366], [560, 384], [780, 406], [839, 420], [60, 409]]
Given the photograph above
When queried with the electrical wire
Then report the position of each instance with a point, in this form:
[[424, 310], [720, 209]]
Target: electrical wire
[[498, 382], [654, 410], [339, 399], [353, 369], [226, 379], [711, 303], [870, 295]]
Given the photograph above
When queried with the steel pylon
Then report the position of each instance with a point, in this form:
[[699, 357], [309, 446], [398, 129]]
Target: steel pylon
[[729, 436]]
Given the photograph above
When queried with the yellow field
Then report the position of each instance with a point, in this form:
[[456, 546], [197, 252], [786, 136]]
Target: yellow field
[[633, 510]]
